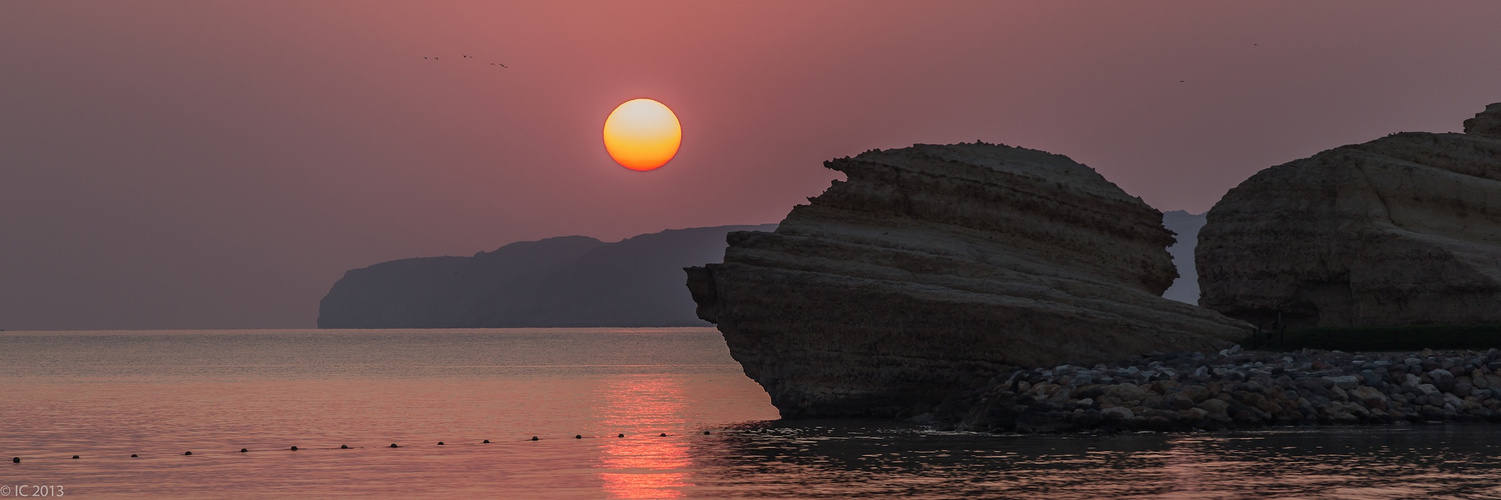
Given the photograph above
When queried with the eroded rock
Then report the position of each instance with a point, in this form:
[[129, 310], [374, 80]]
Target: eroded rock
[[1401, 230], [933, 267]]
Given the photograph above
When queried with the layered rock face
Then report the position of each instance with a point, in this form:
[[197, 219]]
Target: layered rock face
[[932, 267], [1401, 230]]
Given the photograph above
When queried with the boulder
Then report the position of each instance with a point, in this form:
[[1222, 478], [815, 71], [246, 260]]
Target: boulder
[[1402, 230], [935, 267]]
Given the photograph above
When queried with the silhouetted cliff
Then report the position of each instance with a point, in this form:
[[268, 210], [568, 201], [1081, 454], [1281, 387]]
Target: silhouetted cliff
[[573, 281]]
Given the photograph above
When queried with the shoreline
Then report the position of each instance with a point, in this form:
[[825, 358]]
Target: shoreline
[[1234, 389]]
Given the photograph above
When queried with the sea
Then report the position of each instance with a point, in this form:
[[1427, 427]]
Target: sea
[[595, 413]]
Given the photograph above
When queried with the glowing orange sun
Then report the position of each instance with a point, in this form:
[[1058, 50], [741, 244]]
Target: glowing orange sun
[[642, 134]]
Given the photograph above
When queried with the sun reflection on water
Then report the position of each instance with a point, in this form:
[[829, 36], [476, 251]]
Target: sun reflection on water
[[645, 465]]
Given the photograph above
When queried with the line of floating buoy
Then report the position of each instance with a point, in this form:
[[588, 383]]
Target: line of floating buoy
[[346, 447]]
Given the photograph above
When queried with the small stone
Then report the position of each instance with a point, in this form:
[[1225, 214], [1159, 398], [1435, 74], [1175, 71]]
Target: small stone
[[1214, 406], [1344, 382], [1117, 413]]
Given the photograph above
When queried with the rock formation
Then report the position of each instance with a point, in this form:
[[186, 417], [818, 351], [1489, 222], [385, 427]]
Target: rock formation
[[934, 267], [1485, 123], [1401, 230], [569, 281]]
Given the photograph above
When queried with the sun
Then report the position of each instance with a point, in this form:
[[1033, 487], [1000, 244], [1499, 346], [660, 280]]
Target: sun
[[642, 134]]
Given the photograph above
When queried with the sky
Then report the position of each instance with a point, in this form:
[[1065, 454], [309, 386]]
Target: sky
[[189, 164]]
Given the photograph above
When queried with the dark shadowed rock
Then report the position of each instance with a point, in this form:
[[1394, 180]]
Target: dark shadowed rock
[[1486, 123], [1401, 230], [569, 281], [934, 266]]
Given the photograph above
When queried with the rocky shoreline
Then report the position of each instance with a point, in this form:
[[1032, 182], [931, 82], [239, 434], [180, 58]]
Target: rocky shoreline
[[1234, 390]]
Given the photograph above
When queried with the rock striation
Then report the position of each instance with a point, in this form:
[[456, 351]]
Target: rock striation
[[1402, 230], [933, 267]]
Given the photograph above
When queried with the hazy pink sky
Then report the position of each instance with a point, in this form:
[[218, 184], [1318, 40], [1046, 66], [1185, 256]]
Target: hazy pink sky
[[220, 164]]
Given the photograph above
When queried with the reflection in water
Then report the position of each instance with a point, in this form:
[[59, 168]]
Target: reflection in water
[[839, 459], [646, 465], [108, 395]]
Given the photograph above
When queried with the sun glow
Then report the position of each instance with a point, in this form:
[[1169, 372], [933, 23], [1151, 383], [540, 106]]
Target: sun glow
[[642, 134]]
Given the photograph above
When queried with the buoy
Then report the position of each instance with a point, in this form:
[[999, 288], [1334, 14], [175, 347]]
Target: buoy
[[664, 434], [16, 460], [187, 453], [487, 441], [706, 433], [534, 438], [132, 455], [393, 445], [294, 448], [343, 446], [578, 436], [440, 443], [243, 450], [620, 435], [75, 457]]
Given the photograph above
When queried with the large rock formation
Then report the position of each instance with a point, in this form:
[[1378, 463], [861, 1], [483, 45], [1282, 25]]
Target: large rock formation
[[568, 281], [1401, 230], [934, 266]]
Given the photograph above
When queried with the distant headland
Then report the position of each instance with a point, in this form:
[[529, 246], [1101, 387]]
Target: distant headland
[[569, 281]]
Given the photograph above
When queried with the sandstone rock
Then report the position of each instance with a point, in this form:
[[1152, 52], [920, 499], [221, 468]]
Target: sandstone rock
[[932, 265], [1401, 230], [1486, 123]]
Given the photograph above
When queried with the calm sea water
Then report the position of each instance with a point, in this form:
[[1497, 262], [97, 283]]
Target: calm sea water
[[107, 395]]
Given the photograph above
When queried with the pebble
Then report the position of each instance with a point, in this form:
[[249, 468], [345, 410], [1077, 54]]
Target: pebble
[[1238, 389]]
